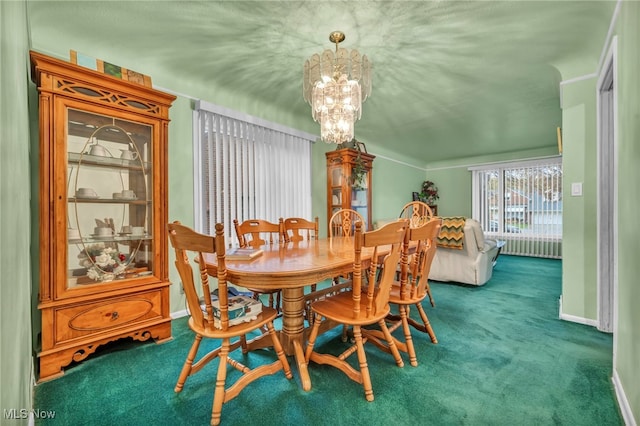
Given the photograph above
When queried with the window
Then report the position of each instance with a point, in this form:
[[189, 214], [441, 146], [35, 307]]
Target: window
[[521, 203], [248, 168]]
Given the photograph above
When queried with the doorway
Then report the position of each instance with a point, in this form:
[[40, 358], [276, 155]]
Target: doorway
[[607, 192]]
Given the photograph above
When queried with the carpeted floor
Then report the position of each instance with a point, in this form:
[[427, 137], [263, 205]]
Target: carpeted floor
[[503, 358]]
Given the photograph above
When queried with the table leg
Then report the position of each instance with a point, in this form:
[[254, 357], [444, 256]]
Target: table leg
[[292, 334]]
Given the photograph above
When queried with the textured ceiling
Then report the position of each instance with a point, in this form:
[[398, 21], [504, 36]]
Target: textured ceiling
[[450, 79]]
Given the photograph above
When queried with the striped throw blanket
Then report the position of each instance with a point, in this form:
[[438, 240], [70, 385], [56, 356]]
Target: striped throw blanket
[[452, 232]]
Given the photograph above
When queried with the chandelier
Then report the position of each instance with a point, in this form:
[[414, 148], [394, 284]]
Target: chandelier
[[335, 85]]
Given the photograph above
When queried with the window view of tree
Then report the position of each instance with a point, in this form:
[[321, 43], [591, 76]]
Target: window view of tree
[[520, 202]]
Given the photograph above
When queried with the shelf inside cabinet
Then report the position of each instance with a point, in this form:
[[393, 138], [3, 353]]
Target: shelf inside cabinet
[[107, 201], [95, 160]]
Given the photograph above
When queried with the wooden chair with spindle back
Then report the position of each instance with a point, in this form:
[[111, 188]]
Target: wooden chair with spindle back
[[343, 223], [418, 213], [255, 233], [205, 323], [299, 229], [365, 304], [411, 289]]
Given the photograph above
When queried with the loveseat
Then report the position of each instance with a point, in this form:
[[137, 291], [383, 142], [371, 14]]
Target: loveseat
[[472, 264]]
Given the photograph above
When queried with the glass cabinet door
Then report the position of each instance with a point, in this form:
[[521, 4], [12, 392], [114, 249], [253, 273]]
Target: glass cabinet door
[[359, 199], [109, 199]]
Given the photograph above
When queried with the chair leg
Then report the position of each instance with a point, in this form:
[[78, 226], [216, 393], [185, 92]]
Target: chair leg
[[312, 337], [433, 303], [279, 351], [391, 342], [408, 340], [362, 361], [271, 301], [188, 364], [345, 332], [219, 392], [427, 324]]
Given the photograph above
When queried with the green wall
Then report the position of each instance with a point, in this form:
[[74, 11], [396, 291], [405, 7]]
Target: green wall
[[16, 299], [627, 337], [579, 273], [579, 118], [394, 180]]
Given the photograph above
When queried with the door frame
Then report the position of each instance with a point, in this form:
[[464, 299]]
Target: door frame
[[607, 192]]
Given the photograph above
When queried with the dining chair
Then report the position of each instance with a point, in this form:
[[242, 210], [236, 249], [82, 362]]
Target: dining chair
[[411, 289], [343, 223], [418, 213], [207, 323], [365, 304], [255, 233], [299, 229]]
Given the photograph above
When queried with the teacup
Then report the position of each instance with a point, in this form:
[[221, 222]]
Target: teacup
[[86, 192], [126, 229], [98, 150], [128, 155], [137, 230], [73, 234], [128, 193], [102, 231]]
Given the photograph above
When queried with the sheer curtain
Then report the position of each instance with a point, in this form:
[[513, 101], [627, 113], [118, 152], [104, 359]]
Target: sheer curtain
[[521, 203], [248, 168]]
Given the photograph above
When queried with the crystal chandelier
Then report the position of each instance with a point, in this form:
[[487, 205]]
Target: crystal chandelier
[[336, 85]]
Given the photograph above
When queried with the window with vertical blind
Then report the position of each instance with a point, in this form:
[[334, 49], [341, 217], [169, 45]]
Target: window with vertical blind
[[248, 168], [521, 203]]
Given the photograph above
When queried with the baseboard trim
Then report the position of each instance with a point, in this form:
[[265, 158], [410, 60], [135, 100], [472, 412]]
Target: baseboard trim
[[573, 318], [579, 320], [623, 403], [179, 314]]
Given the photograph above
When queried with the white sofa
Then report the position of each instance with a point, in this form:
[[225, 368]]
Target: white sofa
[[471, 265]]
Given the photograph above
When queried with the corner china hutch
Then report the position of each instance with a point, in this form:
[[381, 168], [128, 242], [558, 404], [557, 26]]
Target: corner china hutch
[[103, 212], [349, 182]]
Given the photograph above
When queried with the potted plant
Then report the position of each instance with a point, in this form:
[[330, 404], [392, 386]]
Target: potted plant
[[429, 193], [358, 173]]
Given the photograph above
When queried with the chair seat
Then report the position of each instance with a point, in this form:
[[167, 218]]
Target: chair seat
[[268, 314], [396, 298], [340, 308]]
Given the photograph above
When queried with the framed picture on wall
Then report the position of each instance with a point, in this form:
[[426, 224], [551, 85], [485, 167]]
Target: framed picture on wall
[[110, 69]]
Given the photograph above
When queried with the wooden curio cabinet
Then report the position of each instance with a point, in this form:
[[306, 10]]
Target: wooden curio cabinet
[[349, 182], [103, 212]]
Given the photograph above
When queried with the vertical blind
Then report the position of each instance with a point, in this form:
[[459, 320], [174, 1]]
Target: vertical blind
[[521, 203], [248, 168]]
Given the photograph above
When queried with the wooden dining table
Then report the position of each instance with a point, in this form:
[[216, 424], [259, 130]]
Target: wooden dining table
[[292, 267]]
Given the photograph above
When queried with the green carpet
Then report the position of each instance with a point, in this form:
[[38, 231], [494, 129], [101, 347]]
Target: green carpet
[[503, 358]]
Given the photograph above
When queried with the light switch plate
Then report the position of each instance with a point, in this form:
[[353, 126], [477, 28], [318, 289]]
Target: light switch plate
[[576, 189]]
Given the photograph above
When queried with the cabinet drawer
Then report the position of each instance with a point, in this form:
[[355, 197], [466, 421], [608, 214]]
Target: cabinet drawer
[[106, 315]]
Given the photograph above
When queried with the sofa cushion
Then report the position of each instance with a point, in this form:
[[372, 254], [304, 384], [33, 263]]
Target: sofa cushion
[[452, 232], [478, 232]]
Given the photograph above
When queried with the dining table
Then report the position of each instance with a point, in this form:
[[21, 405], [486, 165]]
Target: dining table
[[292, 267]]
